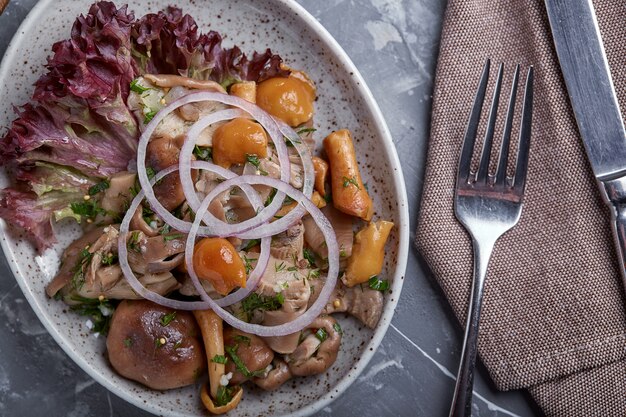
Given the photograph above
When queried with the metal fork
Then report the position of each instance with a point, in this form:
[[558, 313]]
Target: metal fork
[[488, 206]]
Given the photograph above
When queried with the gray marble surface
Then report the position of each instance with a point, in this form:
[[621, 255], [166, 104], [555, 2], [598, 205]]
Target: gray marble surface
[[394, 44]]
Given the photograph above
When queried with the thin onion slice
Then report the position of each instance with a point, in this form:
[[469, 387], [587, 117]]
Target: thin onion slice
[[248, 228], [238, 295], [333, 260], [257, 113]]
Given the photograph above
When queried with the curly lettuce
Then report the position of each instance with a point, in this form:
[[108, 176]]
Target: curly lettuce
[[78, 128]]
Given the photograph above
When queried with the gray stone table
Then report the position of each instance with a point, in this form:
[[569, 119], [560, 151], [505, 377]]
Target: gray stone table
[[394, 44]]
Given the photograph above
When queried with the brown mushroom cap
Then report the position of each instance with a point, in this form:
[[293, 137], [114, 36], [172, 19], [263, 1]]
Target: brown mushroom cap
[[135, 350], [256, 355]]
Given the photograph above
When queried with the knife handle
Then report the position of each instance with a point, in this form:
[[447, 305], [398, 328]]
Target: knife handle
[[614, 193]]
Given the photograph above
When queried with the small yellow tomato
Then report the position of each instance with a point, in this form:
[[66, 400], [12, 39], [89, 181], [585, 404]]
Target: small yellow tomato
[[217, 261]]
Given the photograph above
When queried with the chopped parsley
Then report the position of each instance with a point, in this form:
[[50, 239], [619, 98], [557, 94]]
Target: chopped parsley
[[78, 272], [99, 311], [242, 339], [250, 244], [128, 342], [109, 259], [347, 181], [138, 88], [309, 256], [203, 153], [378, 284], [224, 395], [254, 160], [88, 208], [305, 130], [165, 229], [240, 364], [219, 359], [337, 328], [178, 344], [280, 267], [149, 116], [167, 238], [133, 242], [248, 264], [270, 197], [167, 318], [98, 188], [150, 172], [261, 302], [321, 334]]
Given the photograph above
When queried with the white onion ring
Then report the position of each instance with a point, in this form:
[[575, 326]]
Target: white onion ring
[[333, 260], [238, 295], [252, 228], [261, 116]]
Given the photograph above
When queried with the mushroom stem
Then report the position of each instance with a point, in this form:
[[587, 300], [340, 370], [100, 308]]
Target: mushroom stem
[[213, 337]]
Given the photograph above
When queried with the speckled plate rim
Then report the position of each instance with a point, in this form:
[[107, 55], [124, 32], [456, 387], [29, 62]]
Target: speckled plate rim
[[402, 223]]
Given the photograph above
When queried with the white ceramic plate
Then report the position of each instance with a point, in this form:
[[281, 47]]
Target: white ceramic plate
[[344, 102]]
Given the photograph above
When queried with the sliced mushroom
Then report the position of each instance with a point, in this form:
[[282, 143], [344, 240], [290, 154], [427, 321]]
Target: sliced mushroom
[[284, 277], [343, 227], [362, 302], [170, 80], [119, 192], [277, 376], [289, 244], [314, 356], [161, 356], [137, 222]]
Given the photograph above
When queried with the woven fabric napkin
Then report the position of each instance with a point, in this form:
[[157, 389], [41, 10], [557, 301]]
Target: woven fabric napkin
[[554, 312]]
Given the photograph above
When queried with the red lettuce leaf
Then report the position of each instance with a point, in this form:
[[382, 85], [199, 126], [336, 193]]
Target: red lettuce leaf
[[169, 42]]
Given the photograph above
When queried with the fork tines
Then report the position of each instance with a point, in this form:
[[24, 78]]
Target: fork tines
[[500, 180]]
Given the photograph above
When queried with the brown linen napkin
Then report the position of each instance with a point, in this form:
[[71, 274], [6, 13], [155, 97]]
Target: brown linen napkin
[[554, 313]]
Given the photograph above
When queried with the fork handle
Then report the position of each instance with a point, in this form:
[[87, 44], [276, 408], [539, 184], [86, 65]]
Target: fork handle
[[462, 400]]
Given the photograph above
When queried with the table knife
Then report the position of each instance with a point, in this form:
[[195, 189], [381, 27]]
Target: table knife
[[592, 94]]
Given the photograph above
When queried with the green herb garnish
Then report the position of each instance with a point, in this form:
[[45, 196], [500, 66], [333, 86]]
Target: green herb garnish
[[378, 284], [99, 311], [219, 359], [321, 334], [167, 238], [109, 259], [254, 160], [347, 181], [133, 242], [98, 188], [224, 395], [138, 88], [250, 244], [167, 318], [149, 116], [306, 130], [239, 364], [78, 272], [128, 342], [337, 328], [309, 256], [88, 208], [242, 339], [261, 302], [203, 153]]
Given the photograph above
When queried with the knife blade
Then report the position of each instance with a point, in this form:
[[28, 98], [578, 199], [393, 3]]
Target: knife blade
[[588, 80]]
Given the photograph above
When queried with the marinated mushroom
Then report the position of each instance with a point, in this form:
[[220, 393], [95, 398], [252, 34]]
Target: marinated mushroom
[[277, 376], [363, 303], [155, 345], [321, 174], [318, 351], [248, 355], [368, 253], [349, 193], [171, 80], [288, 98], [245, 90], [163, 152], [216, 260], [239, 141]]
